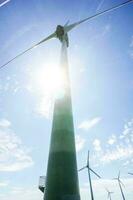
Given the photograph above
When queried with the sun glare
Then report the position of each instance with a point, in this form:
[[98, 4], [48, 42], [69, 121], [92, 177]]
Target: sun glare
[[49, 80], [47, 83]]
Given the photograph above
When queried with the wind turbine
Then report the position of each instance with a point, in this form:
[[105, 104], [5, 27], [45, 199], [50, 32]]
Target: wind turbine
[[120, 185], [89, 175], [109, 194], [62, 31], [62, 177]]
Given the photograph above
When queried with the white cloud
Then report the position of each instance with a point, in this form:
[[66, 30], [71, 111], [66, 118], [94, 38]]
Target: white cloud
[[11, 84], [120, 148], [4, 123], [126, 163], [32, 193], [97, 145], [99, 186], [13, 155], [112, 140], [4, 2], [4, 183], [21, 193], [120, 152], [86, 125], [80, 142]]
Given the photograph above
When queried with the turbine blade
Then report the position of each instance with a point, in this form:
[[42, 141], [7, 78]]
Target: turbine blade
[[114, 178], [71, 26], [44, 40], [94, 172], [66, 23], [122, 183], [107, 190], [82, 168], [130, 173], [88, 159], [119, 175]]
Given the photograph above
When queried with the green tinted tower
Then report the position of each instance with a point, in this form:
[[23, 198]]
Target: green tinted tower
[[62, 177]]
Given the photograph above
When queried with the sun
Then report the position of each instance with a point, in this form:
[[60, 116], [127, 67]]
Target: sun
[[46, 83], [49, 80]]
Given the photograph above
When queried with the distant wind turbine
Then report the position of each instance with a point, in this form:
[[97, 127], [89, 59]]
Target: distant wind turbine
[[109, 194], [120, 185], [89, 175]]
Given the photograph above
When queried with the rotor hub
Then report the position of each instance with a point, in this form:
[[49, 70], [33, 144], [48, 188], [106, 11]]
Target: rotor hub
[[60, 31], [61, 34]]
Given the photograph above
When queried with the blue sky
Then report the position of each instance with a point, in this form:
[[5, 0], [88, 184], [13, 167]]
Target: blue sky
[[101, 71]]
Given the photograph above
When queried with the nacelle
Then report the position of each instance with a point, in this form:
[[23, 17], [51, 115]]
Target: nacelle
[[61, 35]]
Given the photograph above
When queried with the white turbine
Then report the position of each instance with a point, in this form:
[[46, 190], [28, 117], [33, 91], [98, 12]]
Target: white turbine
[[89, 175], [62, 31], [109, 194], [120, 185]]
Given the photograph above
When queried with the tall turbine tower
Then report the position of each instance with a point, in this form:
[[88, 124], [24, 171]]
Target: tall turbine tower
[[62, 178]]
